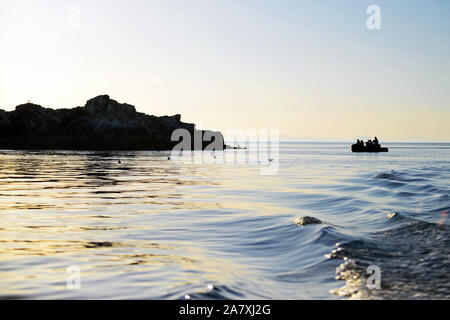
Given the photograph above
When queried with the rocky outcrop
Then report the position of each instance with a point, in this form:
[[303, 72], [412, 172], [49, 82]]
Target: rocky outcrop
[[102, 124]]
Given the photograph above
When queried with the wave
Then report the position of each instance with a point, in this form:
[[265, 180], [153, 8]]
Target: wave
[[413, 257]]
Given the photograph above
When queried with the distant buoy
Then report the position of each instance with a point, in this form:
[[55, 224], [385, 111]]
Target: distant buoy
[[119, 162]]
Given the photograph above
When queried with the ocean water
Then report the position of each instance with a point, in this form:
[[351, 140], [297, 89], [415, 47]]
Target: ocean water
[[153, 228]]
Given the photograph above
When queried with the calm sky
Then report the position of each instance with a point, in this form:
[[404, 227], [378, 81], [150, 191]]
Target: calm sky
[[308, 68]]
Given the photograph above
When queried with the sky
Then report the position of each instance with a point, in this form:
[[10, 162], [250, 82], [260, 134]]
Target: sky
[[311, 69]]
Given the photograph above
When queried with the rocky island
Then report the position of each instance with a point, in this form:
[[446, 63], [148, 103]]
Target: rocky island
[[102, 124]]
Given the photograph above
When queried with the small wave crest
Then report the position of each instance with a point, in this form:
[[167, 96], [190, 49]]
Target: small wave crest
[[412, 257]]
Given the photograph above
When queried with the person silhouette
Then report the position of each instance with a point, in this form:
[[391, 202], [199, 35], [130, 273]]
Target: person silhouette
[[375, 141]]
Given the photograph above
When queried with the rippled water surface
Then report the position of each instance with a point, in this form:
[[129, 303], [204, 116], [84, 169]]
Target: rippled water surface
[[151, 228]]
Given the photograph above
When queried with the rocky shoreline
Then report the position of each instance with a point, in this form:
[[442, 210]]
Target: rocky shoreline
[[102, 124]]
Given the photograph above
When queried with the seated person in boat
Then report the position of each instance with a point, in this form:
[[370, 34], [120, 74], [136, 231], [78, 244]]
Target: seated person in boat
[[375, 142]]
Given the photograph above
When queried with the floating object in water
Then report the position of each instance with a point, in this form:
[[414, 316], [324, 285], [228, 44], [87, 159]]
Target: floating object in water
[[303, 221], [368, 148], [391, 215], [119, 162], [270, 160], [168, 158], [444, 216], [235, 148]]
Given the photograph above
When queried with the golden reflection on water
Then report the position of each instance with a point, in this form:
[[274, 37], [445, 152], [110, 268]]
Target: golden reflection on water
[[62, 209]]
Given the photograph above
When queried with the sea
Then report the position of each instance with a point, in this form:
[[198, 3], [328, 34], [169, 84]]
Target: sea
[[141, 225]]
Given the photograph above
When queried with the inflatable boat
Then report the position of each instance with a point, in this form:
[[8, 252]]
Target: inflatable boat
[[374, 148]]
